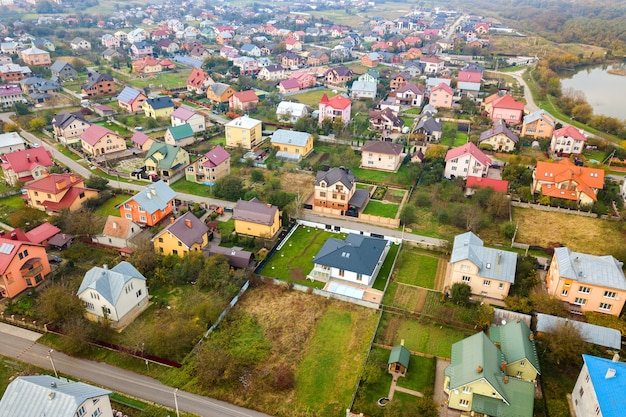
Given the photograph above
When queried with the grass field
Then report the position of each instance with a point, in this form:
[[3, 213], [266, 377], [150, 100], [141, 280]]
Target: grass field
[[385, 270], [405, 297], [68, 153], [189, 187], [401, 177], [312, 98], [108, 208], [295, 259], [377, 208], [414, 268], [421, 374], [116, 128], [169, 79]]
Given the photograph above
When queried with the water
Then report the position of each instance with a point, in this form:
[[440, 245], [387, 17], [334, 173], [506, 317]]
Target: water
[[605, 92]]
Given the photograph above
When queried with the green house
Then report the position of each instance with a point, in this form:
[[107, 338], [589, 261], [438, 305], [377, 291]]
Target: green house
[[399, 360]]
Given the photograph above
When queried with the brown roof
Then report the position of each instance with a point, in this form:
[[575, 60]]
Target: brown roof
[[188, 229], [386, 148], [254, 211], [118, 227]]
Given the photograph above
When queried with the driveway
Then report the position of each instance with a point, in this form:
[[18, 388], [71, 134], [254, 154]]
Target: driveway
[[439, 396]]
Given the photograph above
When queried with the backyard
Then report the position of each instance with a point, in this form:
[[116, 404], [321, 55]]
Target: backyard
[[312, 98], [416, 268], [377, 208]]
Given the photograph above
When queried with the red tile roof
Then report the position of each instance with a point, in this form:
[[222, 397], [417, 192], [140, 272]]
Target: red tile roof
[[66, 202], [571, 132], [26, 160], [586, 179], [469, 76], [443, 86], [247, 96], [53, 183], [508, 102], [339, 102], [42, 232], [500, 186], [13, 249]]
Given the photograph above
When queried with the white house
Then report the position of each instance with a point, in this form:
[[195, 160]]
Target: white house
[[182, 115], [357, 259], [290, 111], [567, 140], [117, 232], [600, 388], [118, 294], [363, 89], [10, 142], [465, 161]]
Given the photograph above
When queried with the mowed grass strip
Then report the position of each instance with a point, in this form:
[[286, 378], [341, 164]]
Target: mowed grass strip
[[432, 339], [109, 209], [326, 377], [416, 269], [376, 208]]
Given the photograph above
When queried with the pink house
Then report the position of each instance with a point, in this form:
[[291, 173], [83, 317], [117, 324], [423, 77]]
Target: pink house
[[288, 86], [441, 96], [507, 109], [338, 106]]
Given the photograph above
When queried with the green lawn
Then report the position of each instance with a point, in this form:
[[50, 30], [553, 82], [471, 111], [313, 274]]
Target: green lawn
[[168, 79], [385, 270], [68, 153], [377, 208], [312, 98], [227, 227], [415, 110], [371, 391], [14, 202], [328, 369], [401, 177], [109, 209], [421, 374], [116, 128], [189, 187], [416, 269]]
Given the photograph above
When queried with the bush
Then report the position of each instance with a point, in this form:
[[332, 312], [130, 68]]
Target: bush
[[508, 230], [460, 293]]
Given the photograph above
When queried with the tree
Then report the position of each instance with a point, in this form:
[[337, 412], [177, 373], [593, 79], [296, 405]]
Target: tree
[[408, 215], [144, 258], [97, 182], [525, 275], [460, 293], [10, 127], [544, 303], [518, 303], [280, 199], [36, 125], [484, 316], [564, 343], [229, 188], [257, 176], [21, 109], [436, 152], [498, 205], [27, 218], [58, 304], [582, 112]]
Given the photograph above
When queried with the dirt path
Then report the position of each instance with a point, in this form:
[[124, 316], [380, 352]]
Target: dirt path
[[441, 274], [296, 273]]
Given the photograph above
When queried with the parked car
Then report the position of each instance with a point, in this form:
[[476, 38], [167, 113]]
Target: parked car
[[55, 259]]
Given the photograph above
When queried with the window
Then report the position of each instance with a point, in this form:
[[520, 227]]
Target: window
[[89, 306], [564, 293], [138, 293], [341, 272], [359, 277], [463, 403], [519, 374], [501, 286], [584, 290], [587, 378], [160, 240], [126, 206], [605, 306], [142, 219], [80, 412], [486, 283], [466, 278], [175, 252], [465, 267], [522, 363], [581, 391], [322, 194], [129, 216], [580, 301], [610, 294], [467, 390], [597, 409]]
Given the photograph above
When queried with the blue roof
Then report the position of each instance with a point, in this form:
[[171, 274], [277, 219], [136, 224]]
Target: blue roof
[[609, 389], [128, 94], [44, 395], [109, 282], [154, 197]]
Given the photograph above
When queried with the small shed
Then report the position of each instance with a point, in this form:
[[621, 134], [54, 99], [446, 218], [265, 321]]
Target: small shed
[[399, 360], [61, 241]]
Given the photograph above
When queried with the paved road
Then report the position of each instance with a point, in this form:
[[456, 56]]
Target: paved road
[[21, 344], [531, 106]]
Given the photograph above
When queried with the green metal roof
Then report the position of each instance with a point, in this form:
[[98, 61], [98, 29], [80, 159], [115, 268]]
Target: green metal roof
[[515, 343], [521, 393], [181, 131], [400, 354], [167, 152]]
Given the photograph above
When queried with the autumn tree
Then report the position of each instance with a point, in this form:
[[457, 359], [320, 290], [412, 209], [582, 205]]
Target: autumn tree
[[564, 344], [58, 304], [460, 293], [229, 188]]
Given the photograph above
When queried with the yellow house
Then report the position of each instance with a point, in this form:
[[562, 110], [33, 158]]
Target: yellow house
[[539, 124], [254, 218], [183, 235], [292, 145], [57, 192], [165, 160], [245, 132], [98, 140], [489, 272], [159, 107]]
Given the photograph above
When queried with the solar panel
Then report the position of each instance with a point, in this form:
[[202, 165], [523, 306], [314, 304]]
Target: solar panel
[[6, 248]]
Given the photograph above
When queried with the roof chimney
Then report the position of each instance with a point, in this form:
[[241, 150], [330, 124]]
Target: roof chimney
[[13, 236], [105, 267], [479, 369], [115, 225], [153, 191], [188, 223], [615, 357], [172, 219]]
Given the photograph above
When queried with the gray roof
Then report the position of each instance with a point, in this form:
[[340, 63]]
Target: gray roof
[[44, 395], [357, 253], [466, 85], [219, 88], [335, 175], [492, 263], [255, 211], [382, 147], [59, 65], [364, 86], [237, 257], [598, 335], [154, 197], [160, 102], [429, 124], [290, 137], [11, 138], [187, 228], [605, 271], [539, 114], [64, 119], [109, 283], [359, 198], [498, 127]]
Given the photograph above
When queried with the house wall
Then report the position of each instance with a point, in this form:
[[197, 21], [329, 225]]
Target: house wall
[[510, 116], [168, 244], [567, 145], [380, 161], [575, 292], [15, 280], [131, 210], [37, 59], [133, 296], [162, 113], [78, 202], [116, 242], [500, 142], [169, 139], [332, 197], [300, 150], [351, 276], [538, 129], [258, 230], [524, 368], [197, 122], [440, 98], [481, 287], [244, 137], [136, 105], [109, 143], [98, 406], [455, 396], [464, 166], [328, 111], [11, 148], [584, 396]]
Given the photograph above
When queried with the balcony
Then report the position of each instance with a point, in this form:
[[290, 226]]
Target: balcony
[[32, 271]]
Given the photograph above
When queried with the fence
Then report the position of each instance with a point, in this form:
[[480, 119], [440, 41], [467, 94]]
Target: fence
[[555, 209], [385, 221], [293, 93]]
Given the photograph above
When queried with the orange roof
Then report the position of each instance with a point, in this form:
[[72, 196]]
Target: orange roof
[[339, 102], [571, 132], [586, 180], [247, 96]]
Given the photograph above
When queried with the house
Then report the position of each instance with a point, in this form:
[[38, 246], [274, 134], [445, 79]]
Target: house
[[10, 142], [335, 192], [111, 54], [183, 115], [118, 232], [363, 90], [468, 81], [243, 100], [290, 111], [499, 138], [245, 132], [56, 192], [219, 93], [568, 140], [398, 362], [237, 257], [247, 65], [338, 75], [254, 218], [182, 236], [165, 161], [400, 79], [98, 84], [517, 343], [567, 181], [23, 264], [489, 272], [131, 100], [150, 205], [338, 106], [68, 127], [441, 96], [110, 41], [250, 49], [180, 135], [465, 161], [371, 60], [432, 64], [44, 395], [381, 155], [288, 86], [63, 70], [198, 81], [292, 44], [141, 49], [409, 95], [386, 121], [499, 186], [538, 124], [98, 140], [44, 43], [477, 381], [599, 387], [151, 65], [35, 57], [505, 108], [292, 145], [168, 46], [210, 167], [272, 73], [11, 94], [305, 79], [587, 282], [24, 166], [316, 58], [117, 295], [162, 107], [141, 141], [290, 60], [80, 44], [135, 35], [13, 72], [357, 259]]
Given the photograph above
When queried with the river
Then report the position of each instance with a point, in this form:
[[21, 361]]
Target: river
[[605, 92]]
